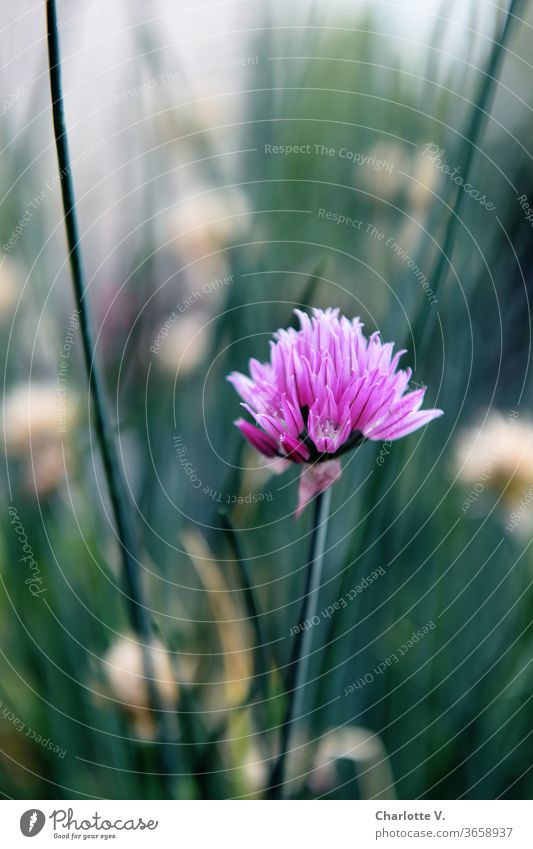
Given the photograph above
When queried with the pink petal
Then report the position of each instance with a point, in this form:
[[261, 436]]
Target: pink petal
[[408, 424], [244, 386], [303, 384], [345, 381], [273, 425], [397, 413], [292, 416]]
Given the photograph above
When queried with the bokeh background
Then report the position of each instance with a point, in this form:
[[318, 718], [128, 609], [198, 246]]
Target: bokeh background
[[234, 160]]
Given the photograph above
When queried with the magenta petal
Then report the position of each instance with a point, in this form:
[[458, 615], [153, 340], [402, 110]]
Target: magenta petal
[[261, 441], [314, 479], [324, 382], [303, 383], [244, 386], [292, 417], [259, 371], [294, 449], [273, 425]]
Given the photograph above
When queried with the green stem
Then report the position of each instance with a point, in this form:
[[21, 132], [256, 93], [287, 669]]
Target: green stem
[[138, 610], [299, 663], [423, 324]]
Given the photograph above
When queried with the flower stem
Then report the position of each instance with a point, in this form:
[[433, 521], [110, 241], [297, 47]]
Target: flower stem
[[130, 563], [299, 663]]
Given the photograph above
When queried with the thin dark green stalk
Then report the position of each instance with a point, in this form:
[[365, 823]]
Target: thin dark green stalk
[[424, 324], [130, 563], [262, 664], [299, 663]]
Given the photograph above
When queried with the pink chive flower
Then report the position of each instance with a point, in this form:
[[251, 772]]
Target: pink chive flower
[[326, 389]]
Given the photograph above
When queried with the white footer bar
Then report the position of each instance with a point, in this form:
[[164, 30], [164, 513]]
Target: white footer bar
[[267, 825]]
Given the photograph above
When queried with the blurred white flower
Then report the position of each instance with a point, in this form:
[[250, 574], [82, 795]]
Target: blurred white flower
[[255, 769], [46, 471], [124, 670], [193, 121], [496, 455], [365, 749], [397, 175], [36, 413], [38, 420], [206, 222], [380, 170], [498, 450], [424, 182]]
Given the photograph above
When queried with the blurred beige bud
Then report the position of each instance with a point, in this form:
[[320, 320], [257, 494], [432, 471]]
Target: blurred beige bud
[[365, 750], [381, 173], [207, 222], [424, 182], [36, 413], [497, 452], [46, 470], [38, 419], [496, 455], [255, 769]]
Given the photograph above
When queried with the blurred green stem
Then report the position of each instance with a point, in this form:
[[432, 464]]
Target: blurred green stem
[[299, 663], [262, 663], [138, 610]]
